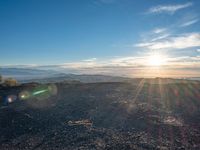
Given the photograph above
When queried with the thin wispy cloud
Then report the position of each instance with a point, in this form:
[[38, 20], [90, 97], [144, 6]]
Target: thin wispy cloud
[[177, 42], [159, 33], [154, 35], [188, 23], [159, 30], [171, 9], [160, 37], [90, 60]]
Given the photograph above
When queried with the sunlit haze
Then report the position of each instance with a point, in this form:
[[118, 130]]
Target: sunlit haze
[[156, 60]]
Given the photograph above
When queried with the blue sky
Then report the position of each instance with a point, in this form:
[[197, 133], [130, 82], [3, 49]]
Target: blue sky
[[105, 35]]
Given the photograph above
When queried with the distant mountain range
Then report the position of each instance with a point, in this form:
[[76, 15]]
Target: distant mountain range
[[25, 75], [47, 76], [79, 78], [194, 78]]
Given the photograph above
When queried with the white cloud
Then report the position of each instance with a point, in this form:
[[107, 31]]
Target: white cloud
[[90, 60], [163, 36], [132, 66], [159, 30], [188, 23], [137, 66], [169, 8], [198, 50], [136, 62], [155, 34], [177, 42]]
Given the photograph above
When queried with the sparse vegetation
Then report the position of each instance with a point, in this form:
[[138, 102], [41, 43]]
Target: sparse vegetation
[[10, 82]]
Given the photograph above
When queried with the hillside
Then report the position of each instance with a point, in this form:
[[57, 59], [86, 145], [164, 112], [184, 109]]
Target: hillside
[[152, 114]]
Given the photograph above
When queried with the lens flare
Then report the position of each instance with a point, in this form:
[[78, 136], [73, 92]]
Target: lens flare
[[39, 92], [24, 95], [53, 89], [11, 98]]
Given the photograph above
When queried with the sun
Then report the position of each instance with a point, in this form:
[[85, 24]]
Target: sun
[[156, 60]]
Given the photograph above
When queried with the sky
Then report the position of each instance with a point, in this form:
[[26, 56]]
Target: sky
[[116, 37]]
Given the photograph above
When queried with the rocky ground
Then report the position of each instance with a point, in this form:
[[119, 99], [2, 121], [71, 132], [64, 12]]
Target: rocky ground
[[146, 115]]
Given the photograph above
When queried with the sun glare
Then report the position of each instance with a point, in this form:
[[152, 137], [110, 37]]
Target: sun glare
[[156, 60]]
